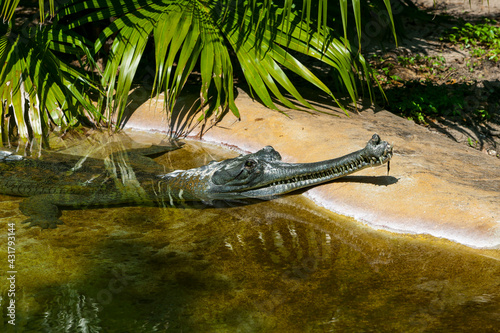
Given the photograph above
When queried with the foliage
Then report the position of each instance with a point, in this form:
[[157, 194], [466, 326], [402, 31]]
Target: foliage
[[426, 66], [418, 101], [424, 63], [261, 37], [422, 98], [36, 85], [482, 39], [422, 101]]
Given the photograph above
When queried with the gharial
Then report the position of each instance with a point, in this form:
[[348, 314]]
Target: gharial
[[63, 181]]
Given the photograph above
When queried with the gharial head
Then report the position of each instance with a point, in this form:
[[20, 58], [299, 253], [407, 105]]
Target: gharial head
[[263, 174]]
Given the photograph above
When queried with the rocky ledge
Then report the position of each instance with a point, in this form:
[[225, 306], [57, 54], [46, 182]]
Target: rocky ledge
[[435, 186]]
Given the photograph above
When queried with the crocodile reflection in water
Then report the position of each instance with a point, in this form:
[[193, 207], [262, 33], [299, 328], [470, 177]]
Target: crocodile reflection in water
[[60, 181]]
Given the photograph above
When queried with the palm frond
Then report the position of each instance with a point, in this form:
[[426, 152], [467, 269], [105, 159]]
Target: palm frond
[[8, 8], [188, 32], [262, 65], [36, 87]]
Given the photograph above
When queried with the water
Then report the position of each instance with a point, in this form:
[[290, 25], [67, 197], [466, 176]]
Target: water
[[271, 266]]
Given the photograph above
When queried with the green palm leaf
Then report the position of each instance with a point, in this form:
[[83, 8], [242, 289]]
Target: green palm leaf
[[189, 31], [8, 8], [36, 87]]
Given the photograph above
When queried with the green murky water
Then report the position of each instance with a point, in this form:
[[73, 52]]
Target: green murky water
[[278, 266]]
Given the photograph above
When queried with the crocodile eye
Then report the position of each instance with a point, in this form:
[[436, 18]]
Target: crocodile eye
[[250, 164]]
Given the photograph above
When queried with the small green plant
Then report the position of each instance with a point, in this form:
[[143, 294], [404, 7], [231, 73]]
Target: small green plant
[[423, 101], [425, 63], [471, 142], [386, 70], [471, 64], [483, 114], [483, 39], [424, 66]]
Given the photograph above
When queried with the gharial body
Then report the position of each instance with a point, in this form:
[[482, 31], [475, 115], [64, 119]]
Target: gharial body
[[64, 181]]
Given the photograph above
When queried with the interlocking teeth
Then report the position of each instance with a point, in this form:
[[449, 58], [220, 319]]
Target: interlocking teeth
[[338, 170]]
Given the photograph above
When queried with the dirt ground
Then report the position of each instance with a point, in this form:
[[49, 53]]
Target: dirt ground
[[459, 72]]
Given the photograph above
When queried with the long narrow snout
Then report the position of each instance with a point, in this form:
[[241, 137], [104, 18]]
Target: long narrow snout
[[280, 178]]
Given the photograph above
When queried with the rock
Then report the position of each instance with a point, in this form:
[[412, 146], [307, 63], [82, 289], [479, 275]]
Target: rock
[[436, 186]]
